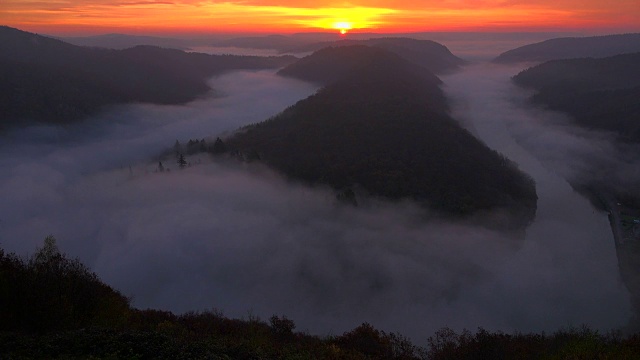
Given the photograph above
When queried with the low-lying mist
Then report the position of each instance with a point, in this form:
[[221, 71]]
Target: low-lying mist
[[239, 238]]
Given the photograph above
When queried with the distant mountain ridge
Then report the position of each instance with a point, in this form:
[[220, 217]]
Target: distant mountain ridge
[[123, 41], [50, 81], [381, 125], [573, 47], [275, 42], [430, 54], [332, 64]]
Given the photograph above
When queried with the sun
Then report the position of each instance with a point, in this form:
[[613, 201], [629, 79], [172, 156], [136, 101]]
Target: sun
[[343, 26]]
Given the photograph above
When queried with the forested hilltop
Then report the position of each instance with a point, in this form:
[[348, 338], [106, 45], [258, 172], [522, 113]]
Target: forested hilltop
[[380, 126], [573, 47], [50, 81], [597, 93], [54, 307], [429, 54]]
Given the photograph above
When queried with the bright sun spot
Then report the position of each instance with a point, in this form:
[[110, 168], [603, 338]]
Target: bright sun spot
[[343, 26]]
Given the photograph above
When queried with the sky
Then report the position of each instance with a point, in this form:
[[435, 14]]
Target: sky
[[290, 16]]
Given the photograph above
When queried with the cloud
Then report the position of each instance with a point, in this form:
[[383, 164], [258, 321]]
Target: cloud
[[239, 238]]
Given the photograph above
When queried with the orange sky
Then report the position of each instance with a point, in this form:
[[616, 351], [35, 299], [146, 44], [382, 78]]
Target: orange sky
[[287, 16]]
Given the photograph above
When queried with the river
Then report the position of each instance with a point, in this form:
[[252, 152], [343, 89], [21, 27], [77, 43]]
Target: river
[[487, 103]]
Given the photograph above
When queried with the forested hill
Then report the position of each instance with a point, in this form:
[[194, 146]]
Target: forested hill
[[573, 47], [597, 93], [331, 64], [381, 125], [47, 80], [429, 54], [124, 41]]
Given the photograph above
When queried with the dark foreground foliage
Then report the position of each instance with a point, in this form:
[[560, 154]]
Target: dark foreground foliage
[[582, 343], [50, 292], [52, 307]]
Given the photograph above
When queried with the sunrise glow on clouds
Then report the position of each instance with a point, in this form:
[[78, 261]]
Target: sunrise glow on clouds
[[294, 16]]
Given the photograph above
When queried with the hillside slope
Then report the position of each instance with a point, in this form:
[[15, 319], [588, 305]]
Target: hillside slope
[[597, 93], [50, 81]]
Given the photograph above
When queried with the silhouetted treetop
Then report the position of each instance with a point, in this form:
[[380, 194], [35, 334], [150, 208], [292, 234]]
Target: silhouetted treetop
[[50, 292]]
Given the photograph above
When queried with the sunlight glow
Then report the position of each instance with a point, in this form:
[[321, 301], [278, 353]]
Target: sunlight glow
[[343, 26], [349, 18]]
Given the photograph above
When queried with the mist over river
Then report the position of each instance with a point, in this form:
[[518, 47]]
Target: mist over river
[[239, 238], [567, 228]]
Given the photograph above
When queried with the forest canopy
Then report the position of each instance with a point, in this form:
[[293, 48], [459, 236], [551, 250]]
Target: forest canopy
[[381, 124]]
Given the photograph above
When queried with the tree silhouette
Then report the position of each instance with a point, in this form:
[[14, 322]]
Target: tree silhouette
[[50, 292], [181, 161], [219, 147]]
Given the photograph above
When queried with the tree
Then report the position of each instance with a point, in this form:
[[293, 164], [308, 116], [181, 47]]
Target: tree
[[367, 340], [50, 292], [348, 197], [181, 161], [281, 325], [48, 252], [219, 147]]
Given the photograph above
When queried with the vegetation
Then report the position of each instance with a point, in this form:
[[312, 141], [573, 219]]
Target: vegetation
[[49, 292], [333, 64], [53, 307], [573, 47], [597, 93], [47, 80], [574, 343], [433, 56], [429, 54], [381, 126]]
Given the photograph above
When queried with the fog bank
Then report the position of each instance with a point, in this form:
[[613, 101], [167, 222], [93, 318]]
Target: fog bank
[[238, 238]]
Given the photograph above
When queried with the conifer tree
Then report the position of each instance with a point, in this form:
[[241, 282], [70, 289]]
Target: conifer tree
[[181, 161]]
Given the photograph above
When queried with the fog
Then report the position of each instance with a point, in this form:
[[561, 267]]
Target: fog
[[232, 50], [239, 238]]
